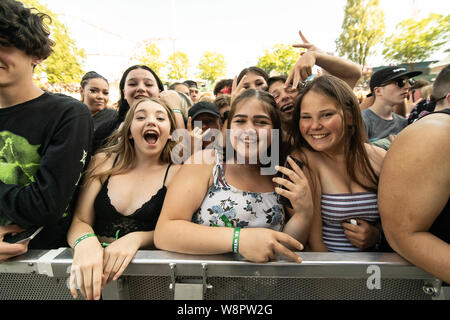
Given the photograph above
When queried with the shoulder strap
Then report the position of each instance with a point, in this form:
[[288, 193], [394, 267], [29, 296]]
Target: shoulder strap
[[167, 171]]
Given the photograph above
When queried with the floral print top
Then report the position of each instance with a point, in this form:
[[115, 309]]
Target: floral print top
[[224, 205]]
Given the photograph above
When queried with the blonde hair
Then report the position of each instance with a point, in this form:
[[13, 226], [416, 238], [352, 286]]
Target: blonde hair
[[119, 143]]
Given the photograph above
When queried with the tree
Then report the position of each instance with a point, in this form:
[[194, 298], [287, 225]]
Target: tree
[[417, 40], [65, 63], [362, 28], [178, 65], [280, 58], [151, 58], [212, 66]]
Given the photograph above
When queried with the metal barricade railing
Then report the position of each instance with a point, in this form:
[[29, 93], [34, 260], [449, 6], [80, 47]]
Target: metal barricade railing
[[161, 275]]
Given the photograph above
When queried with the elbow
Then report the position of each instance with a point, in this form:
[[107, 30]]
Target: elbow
[[158, 237]]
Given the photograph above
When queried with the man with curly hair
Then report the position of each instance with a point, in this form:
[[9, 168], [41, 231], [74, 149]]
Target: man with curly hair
[[44, 138]]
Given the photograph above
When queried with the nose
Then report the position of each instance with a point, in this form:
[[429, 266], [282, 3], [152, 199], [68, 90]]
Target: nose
[[140, 87], [315, 124]]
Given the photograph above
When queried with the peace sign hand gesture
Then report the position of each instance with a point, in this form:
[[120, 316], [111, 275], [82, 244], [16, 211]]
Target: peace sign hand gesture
[[303, 68]]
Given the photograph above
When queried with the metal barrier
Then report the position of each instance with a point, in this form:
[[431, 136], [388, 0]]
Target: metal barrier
[[161, 275]]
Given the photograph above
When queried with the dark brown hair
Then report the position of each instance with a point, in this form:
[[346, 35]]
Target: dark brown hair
[[24, 29]]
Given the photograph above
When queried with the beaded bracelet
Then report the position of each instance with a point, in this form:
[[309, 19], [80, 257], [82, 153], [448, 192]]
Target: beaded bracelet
[[236, 234], [82, 238]]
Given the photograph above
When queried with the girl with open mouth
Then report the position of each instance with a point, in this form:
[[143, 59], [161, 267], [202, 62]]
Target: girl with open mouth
[[122, 197]]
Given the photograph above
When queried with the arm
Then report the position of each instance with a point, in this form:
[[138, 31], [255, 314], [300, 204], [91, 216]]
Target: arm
[[315, 240], [175, 231], [87, 265], [344, 69], [412, 195], [46, 199]]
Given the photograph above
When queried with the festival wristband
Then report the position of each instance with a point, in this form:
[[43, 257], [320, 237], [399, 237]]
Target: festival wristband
[[176, 111], [236, 234], [226, 221], [82, 238]]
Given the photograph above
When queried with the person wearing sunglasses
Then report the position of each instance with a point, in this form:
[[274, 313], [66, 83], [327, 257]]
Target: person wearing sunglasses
[[389, 87]]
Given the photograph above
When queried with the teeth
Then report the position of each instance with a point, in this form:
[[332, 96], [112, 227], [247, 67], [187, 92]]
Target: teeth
[[318, 136], [286, 107]]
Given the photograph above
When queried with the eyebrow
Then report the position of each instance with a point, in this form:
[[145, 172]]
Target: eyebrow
[[258, 116], [145, 79]]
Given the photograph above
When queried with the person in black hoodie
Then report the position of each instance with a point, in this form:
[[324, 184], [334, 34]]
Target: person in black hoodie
[[45, 138]]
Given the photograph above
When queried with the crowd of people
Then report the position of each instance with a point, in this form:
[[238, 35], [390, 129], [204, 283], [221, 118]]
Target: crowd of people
[[268, 167]]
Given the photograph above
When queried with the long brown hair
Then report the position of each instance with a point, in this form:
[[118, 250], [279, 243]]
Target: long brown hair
[[356, 157], [120, 144]]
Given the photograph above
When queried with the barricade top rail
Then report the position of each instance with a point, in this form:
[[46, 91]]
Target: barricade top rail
[[56, 263]]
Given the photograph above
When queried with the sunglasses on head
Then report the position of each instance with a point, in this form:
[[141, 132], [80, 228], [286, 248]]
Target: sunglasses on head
[[401, 82]]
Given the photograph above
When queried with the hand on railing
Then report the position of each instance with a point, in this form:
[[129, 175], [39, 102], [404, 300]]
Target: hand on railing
[[262, 245]]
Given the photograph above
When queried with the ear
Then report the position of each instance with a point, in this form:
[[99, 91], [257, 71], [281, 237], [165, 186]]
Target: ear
[[36, 61]]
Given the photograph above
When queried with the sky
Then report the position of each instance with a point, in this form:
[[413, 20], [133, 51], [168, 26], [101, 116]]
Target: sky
[[112, 31]]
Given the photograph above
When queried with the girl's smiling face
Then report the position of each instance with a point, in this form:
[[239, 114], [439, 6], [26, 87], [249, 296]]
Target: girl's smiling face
[[321, 122], [250, 129], [140, 83]]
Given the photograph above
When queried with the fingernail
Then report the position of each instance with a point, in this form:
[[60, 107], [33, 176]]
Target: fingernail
[[277, 168]]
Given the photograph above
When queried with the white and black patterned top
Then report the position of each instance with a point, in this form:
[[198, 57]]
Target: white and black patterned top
[[224, 203]]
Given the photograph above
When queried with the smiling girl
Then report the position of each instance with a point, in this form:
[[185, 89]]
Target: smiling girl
[[218, 207], [122, 197], [343, 166]]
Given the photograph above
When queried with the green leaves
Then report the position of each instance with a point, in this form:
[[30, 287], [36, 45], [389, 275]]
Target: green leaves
[[280, 58], [415, 41], [212, 66], [178, 65], [65, 63], [363, 27], [152, 58]]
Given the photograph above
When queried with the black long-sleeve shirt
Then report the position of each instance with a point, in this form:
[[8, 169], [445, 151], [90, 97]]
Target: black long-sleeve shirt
[[44, 146]]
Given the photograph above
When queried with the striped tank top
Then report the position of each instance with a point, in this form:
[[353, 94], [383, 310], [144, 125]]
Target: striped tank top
[[339, 208]]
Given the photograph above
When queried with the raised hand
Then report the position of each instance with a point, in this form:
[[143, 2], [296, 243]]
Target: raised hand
[[303, 67], [297, 187], [237, 88]]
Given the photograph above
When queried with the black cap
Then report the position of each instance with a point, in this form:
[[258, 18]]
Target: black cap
[[203, 107], [388, 74]]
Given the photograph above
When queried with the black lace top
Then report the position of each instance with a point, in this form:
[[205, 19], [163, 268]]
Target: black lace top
[[108, 221]]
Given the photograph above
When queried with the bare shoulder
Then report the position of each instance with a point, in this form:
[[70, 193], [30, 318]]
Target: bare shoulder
[[428, 137], [424, 145], [197, 169], [102, 161]]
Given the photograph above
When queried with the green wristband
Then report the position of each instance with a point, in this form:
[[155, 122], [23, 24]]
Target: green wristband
[[82, 238], [236, 234], [177, 111]]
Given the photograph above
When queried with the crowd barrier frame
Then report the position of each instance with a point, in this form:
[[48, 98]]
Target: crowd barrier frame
[[162, 275]]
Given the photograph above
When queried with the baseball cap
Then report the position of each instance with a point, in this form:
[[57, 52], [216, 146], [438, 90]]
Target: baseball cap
[[390, 73], [203, 107]]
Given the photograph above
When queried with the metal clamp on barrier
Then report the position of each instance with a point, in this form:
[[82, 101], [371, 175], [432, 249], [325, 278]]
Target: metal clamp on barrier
[[189, 289]]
